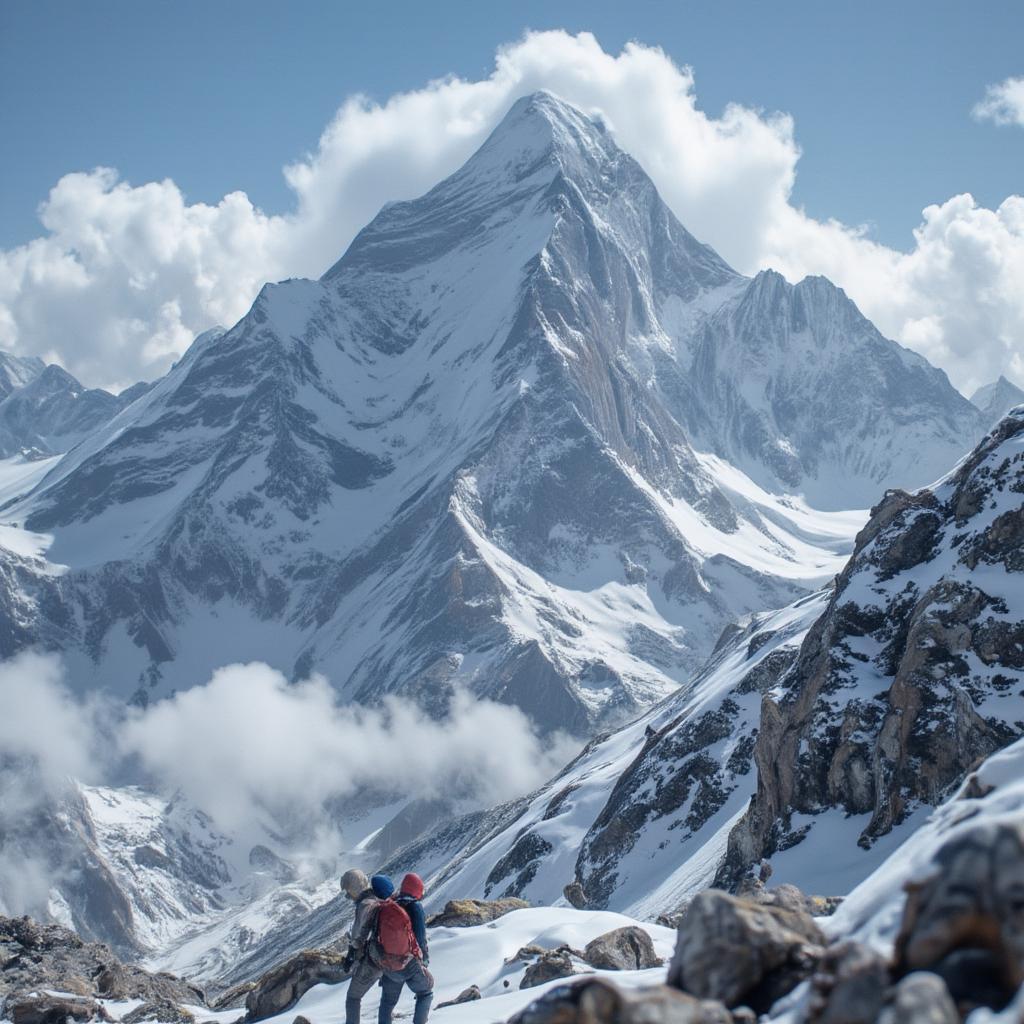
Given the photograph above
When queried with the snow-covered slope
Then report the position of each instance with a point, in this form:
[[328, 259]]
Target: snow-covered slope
[[17, 371], [455, 460], [640, 818], [792, 384], [995, 400], [914, 673]]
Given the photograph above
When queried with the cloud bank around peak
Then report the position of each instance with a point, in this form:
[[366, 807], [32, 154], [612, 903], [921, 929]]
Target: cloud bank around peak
[[125, 275]]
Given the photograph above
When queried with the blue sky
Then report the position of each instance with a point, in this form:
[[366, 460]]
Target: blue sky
[[219, 95], [811, 137]]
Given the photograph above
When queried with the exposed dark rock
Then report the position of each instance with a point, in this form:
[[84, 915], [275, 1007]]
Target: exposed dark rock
[[940, 649], [920, 998], [849, 986], [526, 953], [624, 949], [232, 997], [47, 1009], [743, 953], [51, 957], [521, 862], [283, 986], [552, 964], [965, 922], [575, 895], [467, 913], [264, 859], [467, 995], [162, 1010], [597, 1001]]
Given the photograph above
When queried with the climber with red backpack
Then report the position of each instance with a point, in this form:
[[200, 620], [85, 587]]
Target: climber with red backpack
[[401, 950]]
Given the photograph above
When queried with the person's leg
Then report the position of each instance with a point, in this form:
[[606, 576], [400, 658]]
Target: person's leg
[[421, 982], [364, 977], [391, 989]]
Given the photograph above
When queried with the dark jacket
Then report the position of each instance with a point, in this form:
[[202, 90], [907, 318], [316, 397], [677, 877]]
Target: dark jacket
[[414, 909]]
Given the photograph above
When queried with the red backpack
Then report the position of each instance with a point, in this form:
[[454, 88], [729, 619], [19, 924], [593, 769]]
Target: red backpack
[[396, 942]]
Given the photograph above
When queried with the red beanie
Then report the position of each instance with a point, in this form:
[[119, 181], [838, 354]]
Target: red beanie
[[412, 885]]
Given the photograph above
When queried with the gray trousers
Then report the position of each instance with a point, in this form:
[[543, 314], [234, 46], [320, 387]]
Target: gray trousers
[[420, 982], [364, 976]]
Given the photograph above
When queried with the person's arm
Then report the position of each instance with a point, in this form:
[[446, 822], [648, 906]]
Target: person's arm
[[419, 926], [362, 925]]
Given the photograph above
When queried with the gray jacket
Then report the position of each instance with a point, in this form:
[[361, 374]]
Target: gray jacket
[[364, 923]]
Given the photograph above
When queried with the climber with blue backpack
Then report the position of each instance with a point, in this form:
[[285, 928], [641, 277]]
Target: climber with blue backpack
[[401, 950], [368, 894]]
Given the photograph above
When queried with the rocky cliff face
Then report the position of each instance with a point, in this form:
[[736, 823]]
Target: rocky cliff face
[[912, 675]]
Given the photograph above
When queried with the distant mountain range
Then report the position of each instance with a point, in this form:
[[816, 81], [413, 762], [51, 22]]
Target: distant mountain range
[[45, 411]]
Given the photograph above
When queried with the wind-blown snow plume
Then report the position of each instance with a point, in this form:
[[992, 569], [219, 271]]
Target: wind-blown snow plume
[[131, 273]]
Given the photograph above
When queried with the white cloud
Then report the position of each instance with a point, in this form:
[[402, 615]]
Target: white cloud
[[126, 275], [1003, 103], [250, 742], [253, 750]]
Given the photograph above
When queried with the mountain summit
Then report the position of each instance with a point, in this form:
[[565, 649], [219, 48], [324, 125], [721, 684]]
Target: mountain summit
[[527, 437]]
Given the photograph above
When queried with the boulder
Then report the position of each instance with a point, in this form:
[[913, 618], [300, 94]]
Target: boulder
[[740, 952], [597, 1001], [849, 986], [526, 953], [624, 949], [468, 913], [283, 986], [964, 922], [921, 998], [49, 1009], [467, 995], [575, 896], [232, 997], [552, 964], [163, 1011], [51, 957], [300, 1020]]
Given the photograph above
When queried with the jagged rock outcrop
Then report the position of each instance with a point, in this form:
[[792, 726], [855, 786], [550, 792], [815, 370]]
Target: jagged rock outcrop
[[743, 953], [910, 676], [283, 986], [469, 913], [597, 1001], [36, 956]]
